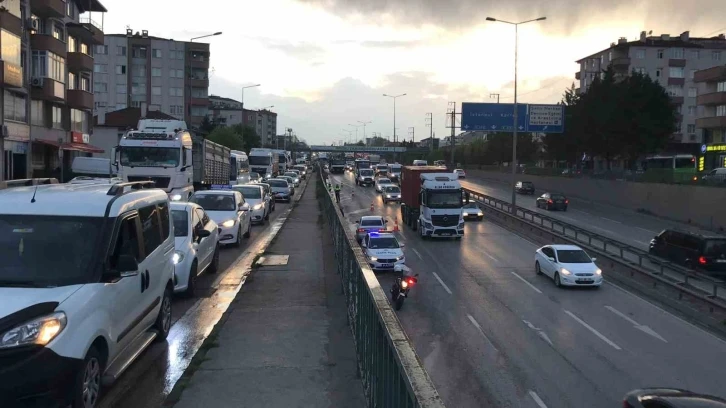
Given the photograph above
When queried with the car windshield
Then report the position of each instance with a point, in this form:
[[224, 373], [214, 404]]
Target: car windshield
[[557, 196], [260, 160], [254, 176], [715, 247], [277, 183], [39, 250], [214, 202], [573, 256], [471, 205], [181, 223], [366, 173], [150, 156], [527, 184], [393, 189], [371, 223], [384, 181], [383, 243], [249, 192], [444, 199], [290, 174]]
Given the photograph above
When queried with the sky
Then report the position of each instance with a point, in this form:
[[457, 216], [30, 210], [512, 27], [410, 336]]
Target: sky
[[325, 64]]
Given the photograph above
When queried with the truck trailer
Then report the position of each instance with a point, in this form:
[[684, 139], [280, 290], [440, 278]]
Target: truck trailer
[[431, 202]]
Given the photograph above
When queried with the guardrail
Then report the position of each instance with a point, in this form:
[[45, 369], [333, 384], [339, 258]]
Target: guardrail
[[392, 374], [710, 287]]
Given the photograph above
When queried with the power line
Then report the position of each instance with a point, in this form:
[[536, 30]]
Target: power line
[[539, 89], [715, 32]]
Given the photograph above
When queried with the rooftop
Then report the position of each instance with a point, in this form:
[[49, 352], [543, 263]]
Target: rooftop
[[128, 118], [684, 40]]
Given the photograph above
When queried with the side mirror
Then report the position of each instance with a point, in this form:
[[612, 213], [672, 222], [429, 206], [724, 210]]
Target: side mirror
[[594, 259], [244, 207], [202, 233], [402, 245], [363, 244], [551, 259], [127, 266], [385, 221], [357, 221]]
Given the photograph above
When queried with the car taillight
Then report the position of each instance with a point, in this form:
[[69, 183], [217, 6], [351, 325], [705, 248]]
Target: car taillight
[[361, 230], [702, 260], [549, 201], [412, 281], [382, 230], [567, 201]]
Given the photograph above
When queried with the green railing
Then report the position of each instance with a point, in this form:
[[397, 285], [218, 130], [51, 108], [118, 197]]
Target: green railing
[[392, 374]]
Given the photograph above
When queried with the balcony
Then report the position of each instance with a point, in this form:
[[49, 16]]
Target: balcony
[[46, 42], [714, 74], [714, 98], [715, 122], [86, 30], [200, 101], [577, 76], [676, 62], [677, 100], [79, 99], [78, 61], [199, 63], [48, 89], [11, 23], [676, 81], [48, 8], [199, 83], [620, 63]]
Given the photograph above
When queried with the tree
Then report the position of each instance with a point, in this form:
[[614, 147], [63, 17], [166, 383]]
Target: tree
[[568, 145], [227, 137], [207, 126], [249, 136]]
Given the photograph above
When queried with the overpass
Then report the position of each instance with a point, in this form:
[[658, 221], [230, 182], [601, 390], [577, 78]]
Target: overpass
[[366, 149]]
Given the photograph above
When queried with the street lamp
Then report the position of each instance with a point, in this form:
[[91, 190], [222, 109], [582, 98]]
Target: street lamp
[[266, 107], [356, 130], [514, 140], [243, 95], [190, 72], [394, 112], [364, 128], [350, 133]]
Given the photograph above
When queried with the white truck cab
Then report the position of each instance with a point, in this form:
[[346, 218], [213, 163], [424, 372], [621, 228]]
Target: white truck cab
[[441, 206], [86, 281]]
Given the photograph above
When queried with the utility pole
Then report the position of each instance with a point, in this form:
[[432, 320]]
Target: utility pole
[[430, 125], [412, 134], [493, 95], [452, 109]]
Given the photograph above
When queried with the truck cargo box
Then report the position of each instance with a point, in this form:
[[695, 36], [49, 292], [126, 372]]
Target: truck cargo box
[[210, 162], [411, 182]]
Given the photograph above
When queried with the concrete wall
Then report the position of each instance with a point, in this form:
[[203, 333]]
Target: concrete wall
[[702, 206]]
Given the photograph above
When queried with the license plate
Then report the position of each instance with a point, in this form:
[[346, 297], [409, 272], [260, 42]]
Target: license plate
[[721, 261], [585, 281], [386, 265], [445, 234]]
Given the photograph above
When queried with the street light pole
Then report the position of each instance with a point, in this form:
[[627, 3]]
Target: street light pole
[[514, 136], [189, 77], [364, 129], [356, 130], [394, 113], [243, 96]]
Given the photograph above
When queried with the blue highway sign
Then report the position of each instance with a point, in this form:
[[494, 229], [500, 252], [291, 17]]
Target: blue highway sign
[[546, 118], [492, 117]]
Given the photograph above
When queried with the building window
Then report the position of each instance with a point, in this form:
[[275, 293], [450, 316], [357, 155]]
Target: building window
[[716, 55], [84, 48], [121, 51], [199, 111], [640, 54], [720, 110], [99, 105], [692, 92], [100, 68], [79, 121], [120, 106], [156, 90], [138, 70], [56, 117], [10, 47], [660, 54], [71, 44], [199, 93], [690, 128], [602, 60], [121, 69], [677, 53], [59, 32], [721, 86], [156, 53], [180, 73], [676, 72], [47, 64], [71, 80], [176, 91], [640, 70], [138, 52], [691, 110], [658, 72], [121, 89], [14, 107], [695, 54], [675, 90], [138, 88], [69, 9], [100, 87], [85, 84], [102, 49], [156, 72], [36, 113]]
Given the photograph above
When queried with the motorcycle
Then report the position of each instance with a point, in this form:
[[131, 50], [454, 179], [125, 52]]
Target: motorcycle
[[401, 286]]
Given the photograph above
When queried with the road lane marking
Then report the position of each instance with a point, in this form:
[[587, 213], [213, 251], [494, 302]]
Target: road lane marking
[[595, 332], [611, 220], [417, 254], [442, 283], [489, 256], [580, 211], [537, 399], [645, 329], [525, 281], [646, 230], [476, 324]]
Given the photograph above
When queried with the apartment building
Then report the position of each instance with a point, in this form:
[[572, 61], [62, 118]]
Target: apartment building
[[229, 112], [711, 102], [135, 68], [672, 61], [265, 124], [47, 71]]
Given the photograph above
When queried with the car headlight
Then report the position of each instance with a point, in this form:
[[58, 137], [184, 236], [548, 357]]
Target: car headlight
[[465, 214], [373, 259], [268, 175], [388, 196], [481, 214], [38, 331], [177, 257], [228, 223], [400, 258], [176, 197], [565, 271], [598, 272], [404, 284], [257, 207]]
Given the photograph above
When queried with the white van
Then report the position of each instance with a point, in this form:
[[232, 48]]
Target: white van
[[420, 163], [86, 281], [92, 167]]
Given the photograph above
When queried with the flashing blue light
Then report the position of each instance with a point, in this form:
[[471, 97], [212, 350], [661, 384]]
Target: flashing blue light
[[373, 234]]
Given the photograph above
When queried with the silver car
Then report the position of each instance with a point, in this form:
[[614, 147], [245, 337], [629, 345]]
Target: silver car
[[281, 189], [369, 223], [391, 193], [290, 181], [268, 195]]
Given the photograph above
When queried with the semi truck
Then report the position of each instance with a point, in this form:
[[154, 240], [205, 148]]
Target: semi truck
[[337, 164], [431, 201], [165, 152], [264, 162], [374, 158]]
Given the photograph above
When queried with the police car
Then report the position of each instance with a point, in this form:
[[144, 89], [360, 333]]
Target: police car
[[382, 250]]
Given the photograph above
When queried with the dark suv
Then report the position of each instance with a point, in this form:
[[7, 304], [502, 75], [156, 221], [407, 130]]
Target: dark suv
[[524, 187], [696, 251]]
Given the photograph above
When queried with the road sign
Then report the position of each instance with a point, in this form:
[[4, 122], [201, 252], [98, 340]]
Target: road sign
[[362, 149], [492, 117], [546, 118]]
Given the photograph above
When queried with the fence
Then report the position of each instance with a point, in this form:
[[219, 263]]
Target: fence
[[710, 288], [392, 374]]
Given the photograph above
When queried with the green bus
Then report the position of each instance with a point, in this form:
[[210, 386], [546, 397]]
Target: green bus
[[677, 168]]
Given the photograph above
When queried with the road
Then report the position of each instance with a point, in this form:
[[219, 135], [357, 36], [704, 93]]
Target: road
[[151, 377], [492, 333]]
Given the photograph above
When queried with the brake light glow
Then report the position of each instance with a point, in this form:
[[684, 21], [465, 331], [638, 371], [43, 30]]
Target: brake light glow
[[702, 260], [382, 230], [411, 281], [567, 201], [549, 201], [361, 230]]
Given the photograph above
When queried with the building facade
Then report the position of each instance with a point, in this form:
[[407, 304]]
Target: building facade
[[47, 75], [671, 61], [711, 102], [168, 76], [229, 112]]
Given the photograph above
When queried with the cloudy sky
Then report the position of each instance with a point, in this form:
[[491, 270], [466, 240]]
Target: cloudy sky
[[324, 64]]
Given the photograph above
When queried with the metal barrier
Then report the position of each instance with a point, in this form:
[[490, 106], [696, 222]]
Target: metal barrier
[[392, 374], [711, 287]]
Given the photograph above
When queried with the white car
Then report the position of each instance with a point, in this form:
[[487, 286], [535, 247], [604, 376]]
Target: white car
[[460, 173], [254, 195], [86, 284], [391, 193], [196, 245], [567, 265], [294, 176], [383, 251], [383, 182], [228, 209]]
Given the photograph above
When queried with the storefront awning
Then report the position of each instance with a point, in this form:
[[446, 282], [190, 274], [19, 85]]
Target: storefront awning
[[46, 142], [80, 147]]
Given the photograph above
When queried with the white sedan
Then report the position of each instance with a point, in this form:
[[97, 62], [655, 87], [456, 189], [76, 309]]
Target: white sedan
[[460, 173], [229, 210], [196, 244], [383, 182], [567, 265]]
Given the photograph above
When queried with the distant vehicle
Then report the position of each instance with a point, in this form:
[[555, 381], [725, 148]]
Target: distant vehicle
[[440, 163], [382, 250], [290, 181], [254, 176], [552, 201], [696, 251], [472, 212], [281, 189], [382, 170], [364, 177], [391, 193], [670, 398], [420, 163], [254, 195], [394, 172], [369, 223], [524, 187], [265, 162], [196, 245], [92, 167], [431, 201], [269, 198], [228, 209], [294, 176], [718, 174], [460, 173], [567, 265], [302, 169], [381, 183], [239, 167]]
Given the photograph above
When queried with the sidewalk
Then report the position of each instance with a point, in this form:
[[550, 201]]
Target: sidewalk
[[285, 341]]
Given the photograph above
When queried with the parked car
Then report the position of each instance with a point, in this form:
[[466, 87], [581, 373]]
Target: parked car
[[693, 250], [382, 250], [552, 201], [567, 265], [460, 173], [229, 210], [86, 284], [391, 193], [670, 398], [196, 245], [369, 223], [524, 187], [471, 211], [254, 195], [281, 189]]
